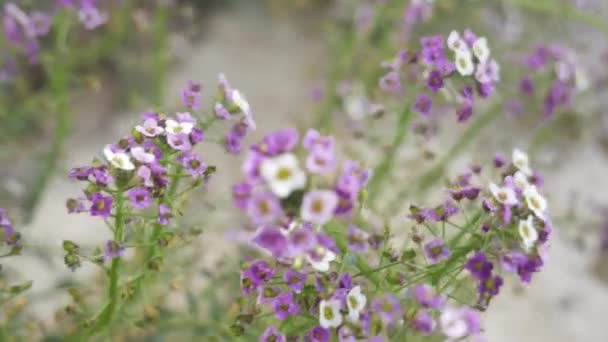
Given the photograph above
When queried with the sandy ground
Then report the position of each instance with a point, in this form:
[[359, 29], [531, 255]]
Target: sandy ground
[[270, 61]]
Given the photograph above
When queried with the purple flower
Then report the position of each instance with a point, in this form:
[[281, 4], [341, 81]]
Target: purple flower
[[526, 86], [302, 241], [261, 271], [241, 193], [101, 205], [318, 334], [91, 17], [233, 143], [247, 282], [345, 334], [281, 141], [221, 112], [490, 286], [180, 142], [39, 24], [457, 323], [357, 239], [318, 206], [426, 297], [284, 306], [295, 280], [112, 249], [191, 95], [423, 322], [391, 82], [443, 212], [387, 307], [499, 160], [140, 197], [196, 136], [321, 160], [102, 177], [266, 294], [313, 140], [464, 113], [423, 104], [479, 266], [436, 251], [164, 214], [435, 81], [80, 173], [264, 207], [272, 334], [194, 164], [272, 240]]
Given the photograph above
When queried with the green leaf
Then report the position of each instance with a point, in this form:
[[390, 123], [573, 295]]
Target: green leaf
[[296, 325], [17, 289]]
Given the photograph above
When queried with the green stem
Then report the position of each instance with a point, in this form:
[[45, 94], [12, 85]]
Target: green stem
[[59, 82], [423, 183], [108, 312], [382, 172]]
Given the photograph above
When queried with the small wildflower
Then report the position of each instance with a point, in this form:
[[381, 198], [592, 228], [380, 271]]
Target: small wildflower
[[284, 305], [426, 297], [535, 202], [112, 250], [464, 63], [140, 198], [479, 266], [150, 128], [119, 160], [283, 174], [318, 206], [423, 322], [179, 142], [101, 205], [423, 104], [140, 154], [272, 334], [456, 43], [436, 251], [504, 195], [481, 49], [387, 307], [329, 314], [319, 334], [435, 81], [357, 239], [528, 232], [521, 162], [295, 280], [355, 301]]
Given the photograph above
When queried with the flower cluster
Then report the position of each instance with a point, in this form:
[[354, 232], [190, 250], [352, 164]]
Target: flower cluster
[[23, 31], [553, 65], [467, 55], [319, 280]]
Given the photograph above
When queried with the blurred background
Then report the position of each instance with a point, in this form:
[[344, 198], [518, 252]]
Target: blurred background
[[289, 57]]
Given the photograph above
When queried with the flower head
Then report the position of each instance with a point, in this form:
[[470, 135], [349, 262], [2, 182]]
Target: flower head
[[101, 205], [119, 160], [355, 301], [112, 249], [283, 174], [527, 232], [272, 334], [387, 307], [535, 202], [318, 206], [140, 197], [436, 251], [521, 161], [504, 195], [329, 313], [479, 266]]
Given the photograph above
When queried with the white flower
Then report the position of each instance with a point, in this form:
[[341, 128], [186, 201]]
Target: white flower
[[452, 323], [504, 195], [456, 43], [521, 162], [464, 63], [481, 49], [150, 128], [329, 314], [175, 127], [528, 233], [140, 154], [119, 160], [521, 180], [283, 174], [355, 300], [239, 100], [535, 202], [322, 264]]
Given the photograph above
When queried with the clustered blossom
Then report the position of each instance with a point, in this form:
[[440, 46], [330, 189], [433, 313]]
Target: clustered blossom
[[24, 31], [467, 56], [142, 172], [553, 65], [294, 210]]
